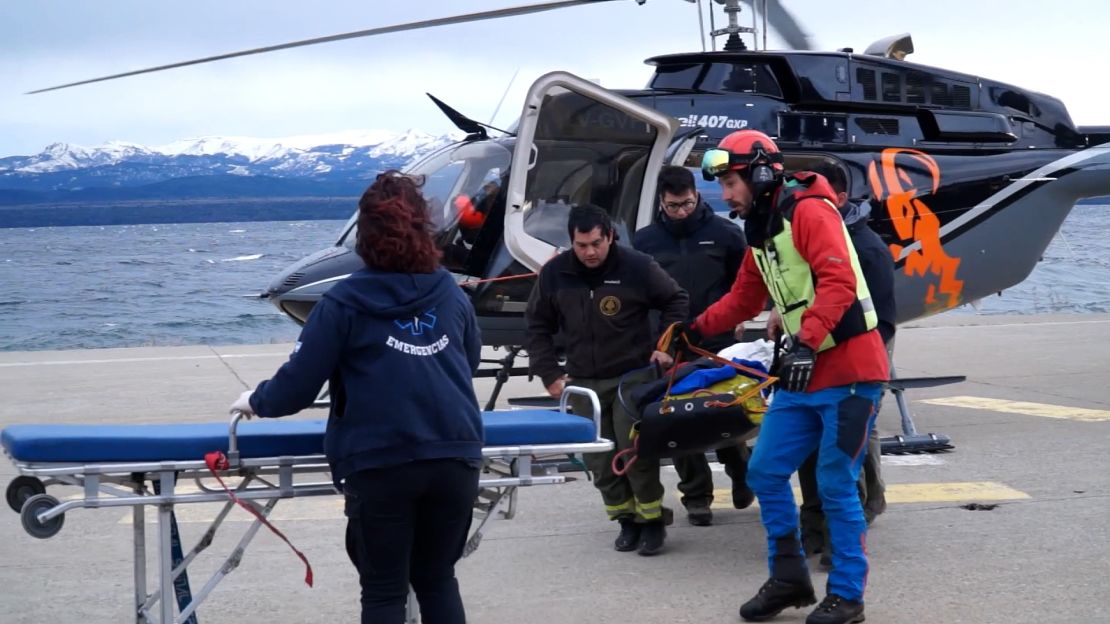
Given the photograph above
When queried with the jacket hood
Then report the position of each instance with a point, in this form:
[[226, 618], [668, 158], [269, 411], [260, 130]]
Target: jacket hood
[[813, 185], [685, 227], [392, 295], [764, 221], [856, 213]]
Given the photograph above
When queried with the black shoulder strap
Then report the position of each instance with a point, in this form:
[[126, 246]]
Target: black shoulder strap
[[792, 190]]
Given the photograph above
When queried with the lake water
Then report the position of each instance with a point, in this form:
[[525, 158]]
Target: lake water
[[176, 284]]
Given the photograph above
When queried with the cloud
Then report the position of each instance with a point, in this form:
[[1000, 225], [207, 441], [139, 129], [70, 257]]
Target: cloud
[[380, 83]]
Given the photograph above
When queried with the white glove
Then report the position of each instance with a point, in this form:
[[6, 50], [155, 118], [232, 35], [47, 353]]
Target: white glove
[[243, 404]]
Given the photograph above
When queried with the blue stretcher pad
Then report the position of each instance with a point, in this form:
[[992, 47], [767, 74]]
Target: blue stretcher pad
[[257, 438]]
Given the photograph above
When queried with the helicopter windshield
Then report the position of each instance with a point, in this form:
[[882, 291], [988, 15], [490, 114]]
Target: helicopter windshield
[[462, 186], [458, 177]]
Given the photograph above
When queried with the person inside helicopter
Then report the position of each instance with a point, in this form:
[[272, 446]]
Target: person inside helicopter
[[465, 219]]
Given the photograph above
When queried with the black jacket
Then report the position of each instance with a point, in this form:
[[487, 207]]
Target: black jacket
[[603, 314], [399, 350], [876, 263], [702, 253]]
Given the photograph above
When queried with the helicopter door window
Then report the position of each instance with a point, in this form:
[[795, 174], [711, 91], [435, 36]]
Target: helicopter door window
[[581, 144], [586, 151]]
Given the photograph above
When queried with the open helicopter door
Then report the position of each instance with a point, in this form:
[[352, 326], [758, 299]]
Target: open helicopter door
[[580, 143]]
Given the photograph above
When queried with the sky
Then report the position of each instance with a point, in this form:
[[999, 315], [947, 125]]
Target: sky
[[379, 83]]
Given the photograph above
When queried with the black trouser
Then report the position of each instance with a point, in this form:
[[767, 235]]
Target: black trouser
[[696, 478], [407, 525]]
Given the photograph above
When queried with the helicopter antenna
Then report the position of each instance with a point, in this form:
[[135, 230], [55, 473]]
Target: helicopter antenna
[[442, 21], [701, 26], [764, 12], [506, 92], [712, 29]]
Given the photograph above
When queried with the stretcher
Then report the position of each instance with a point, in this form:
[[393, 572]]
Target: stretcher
[[267, 460]]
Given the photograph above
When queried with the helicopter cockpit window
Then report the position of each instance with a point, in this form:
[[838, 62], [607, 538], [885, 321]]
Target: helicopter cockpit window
[[584, 151], [676, 76], [741, 78], [462, 185]]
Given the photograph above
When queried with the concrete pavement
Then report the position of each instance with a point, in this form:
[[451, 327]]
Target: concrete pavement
[[1039, 556]]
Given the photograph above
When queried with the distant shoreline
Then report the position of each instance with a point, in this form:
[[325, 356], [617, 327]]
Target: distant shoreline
[[199, 210], [209, 210]]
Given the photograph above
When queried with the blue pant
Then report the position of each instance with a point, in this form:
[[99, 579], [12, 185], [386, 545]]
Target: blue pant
[[837, 422]]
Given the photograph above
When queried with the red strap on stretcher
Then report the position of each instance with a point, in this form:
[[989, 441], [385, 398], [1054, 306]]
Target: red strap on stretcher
[[215, 461]]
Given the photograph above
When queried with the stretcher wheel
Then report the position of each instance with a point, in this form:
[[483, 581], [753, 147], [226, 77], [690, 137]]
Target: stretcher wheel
[[29, 516], [20, 489]]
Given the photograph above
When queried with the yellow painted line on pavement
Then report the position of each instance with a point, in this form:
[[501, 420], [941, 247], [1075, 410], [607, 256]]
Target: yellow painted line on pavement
[[1043, 410], [953, 492]]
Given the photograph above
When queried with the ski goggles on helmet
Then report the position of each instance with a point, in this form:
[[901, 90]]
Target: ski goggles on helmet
[[716, 162]]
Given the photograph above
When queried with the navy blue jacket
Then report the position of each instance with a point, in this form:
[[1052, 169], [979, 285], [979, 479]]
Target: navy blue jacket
[[399, 351], [702, 253]]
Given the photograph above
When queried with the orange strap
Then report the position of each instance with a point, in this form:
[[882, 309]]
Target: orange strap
[[216, 461], [497, 279], [665, 344]]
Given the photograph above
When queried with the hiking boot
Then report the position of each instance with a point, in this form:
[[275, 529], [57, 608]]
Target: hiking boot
[[836, 610], [825, 561], [651, 538], [774, 596], [699, 514], [742, 495], [629, 536]]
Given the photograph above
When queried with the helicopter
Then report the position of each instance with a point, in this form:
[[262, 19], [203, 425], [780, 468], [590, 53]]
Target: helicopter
[[969, 178]]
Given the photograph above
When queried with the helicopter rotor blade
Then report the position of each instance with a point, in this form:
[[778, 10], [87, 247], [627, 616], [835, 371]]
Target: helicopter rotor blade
[[370, 32], [782, 22], [785, 25]]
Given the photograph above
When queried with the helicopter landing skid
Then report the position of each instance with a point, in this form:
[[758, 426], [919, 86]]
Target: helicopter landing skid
[[502, 373], [910, 442]]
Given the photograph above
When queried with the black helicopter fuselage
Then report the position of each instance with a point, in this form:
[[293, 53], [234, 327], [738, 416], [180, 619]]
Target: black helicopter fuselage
[[969, 179]]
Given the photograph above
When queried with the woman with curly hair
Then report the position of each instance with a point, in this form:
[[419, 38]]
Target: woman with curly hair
[[405, 457]]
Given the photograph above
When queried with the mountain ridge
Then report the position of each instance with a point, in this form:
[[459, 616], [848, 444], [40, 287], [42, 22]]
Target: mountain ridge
[[320, 165]]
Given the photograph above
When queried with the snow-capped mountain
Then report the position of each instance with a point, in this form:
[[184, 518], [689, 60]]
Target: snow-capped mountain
[[346, 157]]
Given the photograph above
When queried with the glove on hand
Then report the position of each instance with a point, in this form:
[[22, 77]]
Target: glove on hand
[[692, 337], [243, 404], [796, 367]]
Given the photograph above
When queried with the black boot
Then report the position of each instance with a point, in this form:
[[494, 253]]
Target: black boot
[[836, 610], [736, 467], [742, 495], [774, 596], [699, 514], [629, 536], [651, 538]]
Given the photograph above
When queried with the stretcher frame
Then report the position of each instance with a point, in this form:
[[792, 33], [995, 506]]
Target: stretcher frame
[[263, 482]]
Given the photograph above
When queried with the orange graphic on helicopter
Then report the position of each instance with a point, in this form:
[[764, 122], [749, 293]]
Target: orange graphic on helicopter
[[915, 222]]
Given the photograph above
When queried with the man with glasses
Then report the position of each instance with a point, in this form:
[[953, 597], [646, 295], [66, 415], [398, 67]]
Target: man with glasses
[[702, 252]]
